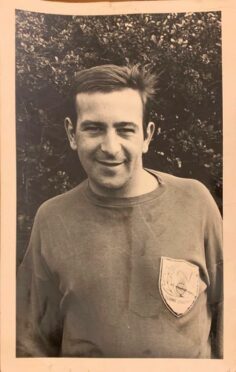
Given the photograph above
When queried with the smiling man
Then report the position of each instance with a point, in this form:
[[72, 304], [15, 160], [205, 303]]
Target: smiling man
[[109, 138], [128, 263]]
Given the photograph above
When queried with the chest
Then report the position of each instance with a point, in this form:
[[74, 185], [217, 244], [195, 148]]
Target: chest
[[115, 254]]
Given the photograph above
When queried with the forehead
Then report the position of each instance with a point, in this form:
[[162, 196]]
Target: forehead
[[124, 103]]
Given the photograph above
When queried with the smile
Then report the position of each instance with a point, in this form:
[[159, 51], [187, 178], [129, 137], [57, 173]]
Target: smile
[[110, 163]]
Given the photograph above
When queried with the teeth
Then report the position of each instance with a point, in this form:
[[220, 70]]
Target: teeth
[[114, 164], [109, 163]]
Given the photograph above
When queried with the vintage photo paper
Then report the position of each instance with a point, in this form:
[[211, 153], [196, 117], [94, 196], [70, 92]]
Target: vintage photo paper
[[190, 48]]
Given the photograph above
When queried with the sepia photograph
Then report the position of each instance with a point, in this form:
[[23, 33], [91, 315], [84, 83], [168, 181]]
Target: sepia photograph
[[119, 185]]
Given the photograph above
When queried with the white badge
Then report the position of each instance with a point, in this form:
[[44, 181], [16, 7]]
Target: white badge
[[178, 284]]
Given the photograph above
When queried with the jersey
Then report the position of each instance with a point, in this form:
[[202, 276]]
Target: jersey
[[124, 277]]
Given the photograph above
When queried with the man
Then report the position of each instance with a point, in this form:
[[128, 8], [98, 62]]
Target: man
[[128, 263]]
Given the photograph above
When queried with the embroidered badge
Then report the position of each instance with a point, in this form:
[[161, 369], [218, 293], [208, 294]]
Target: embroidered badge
[[178, 284]]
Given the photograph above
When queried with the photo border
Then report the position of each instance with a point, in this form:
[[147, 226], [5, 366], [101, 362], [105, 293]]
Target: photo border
[[8, 187]]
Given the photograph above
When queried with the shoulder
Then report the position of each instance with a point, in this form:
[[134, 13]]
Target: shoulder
[[186, 186], [62, 203], [188, 192]]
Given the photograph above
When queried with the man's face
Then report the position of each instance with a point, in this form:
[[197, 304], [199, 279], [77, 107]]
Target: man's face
[[109, 139]]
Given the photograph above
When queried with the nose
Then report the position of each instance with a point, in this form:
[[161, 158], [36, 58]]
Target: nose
[[110, 144]]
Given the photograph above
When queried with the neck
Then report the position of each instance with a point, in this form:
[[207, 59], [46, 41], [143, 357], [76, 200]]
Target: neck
[[144, 183]]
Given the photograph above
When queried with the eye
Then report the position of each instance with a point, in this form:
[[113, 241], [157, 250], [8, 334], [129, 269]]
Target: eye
[[93, 129], [126, 130]]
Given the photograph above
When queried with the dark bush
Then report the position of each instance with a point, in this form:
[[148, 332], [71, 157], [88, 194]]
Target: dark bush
[[184, 49]]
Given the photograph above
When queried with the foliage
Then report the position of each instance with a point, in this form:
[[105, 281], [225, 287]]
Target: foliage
[[184, 49]]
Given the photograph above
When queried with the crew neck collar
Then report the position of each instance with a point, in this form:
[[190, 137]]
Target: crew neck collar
[[126, 201]]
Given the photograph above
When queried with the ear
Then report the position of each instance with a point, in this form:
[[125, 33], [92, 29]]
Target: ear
[[149, 133], [70, 133]]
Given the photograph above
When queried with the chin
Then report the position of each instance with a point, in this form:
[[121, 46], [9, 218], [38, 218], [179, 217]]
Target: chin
[[108, 186], [111, 186]]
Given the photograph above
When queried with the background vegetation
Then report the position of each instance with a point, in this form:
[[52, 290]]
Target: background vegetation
[[184, 49]]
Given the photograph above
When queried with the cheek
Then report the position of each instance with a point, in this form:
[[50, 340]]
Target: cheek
[[86, 145], [135, 148]]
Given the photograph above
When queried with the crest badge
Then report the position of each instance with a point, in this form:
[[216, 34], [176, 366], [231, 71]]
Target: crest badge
[[178, 284]]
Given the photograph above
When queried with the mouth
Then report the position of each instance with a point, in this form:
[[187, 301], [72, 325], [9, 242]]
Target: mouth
[[110, 163]]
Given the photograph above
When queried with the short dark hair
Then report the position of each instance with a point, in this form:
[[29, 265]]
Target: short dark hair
[[109, 78]]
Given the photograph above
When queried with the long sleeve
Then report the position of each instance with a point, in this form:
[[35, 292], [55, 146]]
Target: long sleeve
[[214, 260], [38, 300]]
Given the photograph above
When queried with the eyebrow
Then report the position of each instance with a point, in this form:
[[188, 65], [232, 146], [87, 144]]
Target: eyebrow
[[126, 124], [86, 123], [119, 124]]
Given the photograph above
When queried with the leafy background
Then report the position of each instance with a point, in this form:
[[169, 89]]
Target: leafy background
[[183, 49]]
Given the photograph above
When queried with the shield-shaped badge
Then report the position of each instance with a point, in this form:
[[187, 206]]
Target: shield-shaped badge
[[178, 284]]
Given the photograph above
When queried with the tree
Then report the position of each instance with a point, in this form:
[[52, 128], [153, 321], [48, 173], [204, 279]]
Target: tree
[[183, 49]]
